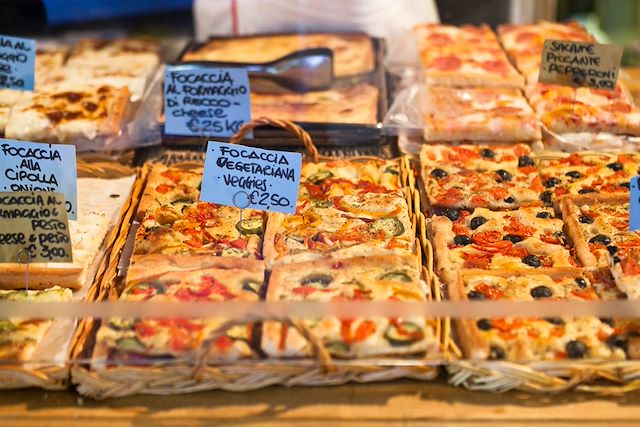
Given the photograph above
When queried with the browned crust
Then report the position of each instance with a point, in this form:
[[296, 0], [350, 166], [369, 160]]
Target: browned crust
[[457, 79], [147, 200], [441, 249], [269, 253], [12, 276], [116, 108]]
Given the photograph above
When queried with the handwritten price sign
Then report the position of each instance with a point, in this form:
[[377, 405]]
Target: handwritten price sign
[[17, 63]]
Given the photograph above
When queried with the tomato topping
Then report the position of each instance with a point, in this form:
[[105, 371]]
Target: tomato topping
[[395, 243], [445, 63], [144, 329], [439, 39], [194, 242], [557, 331], [550, 238], [239, 243], [602, 335], [486, 237], [217, 287], [479, 201], [462, 154], [504, 109], [618, 107], [303, 291], [527, 37], [519, 229], [536, 185], [630, 266], [284, 330], [498, 193], [528, 169], [172, 175], [223, 344], [516, 252], [314, 191], [489, 291], [365, 329], [495, 247], [164, 188], [451, 197], [476, 261], [179, 339], [588, 293], [459, 229], [500, 67]]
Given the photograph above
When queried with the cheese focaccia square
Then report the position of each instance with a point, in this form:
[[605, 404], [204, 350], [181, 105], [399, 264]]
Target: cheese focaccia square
[[184, 228], [166, 278], [375, 278], [345, 226], [526, 238], [529, 339]]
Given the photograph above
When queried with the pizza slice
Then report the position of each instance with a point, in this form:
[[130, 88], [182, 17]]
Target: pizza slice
[[599, 228], [184, 228], [170, 185], [353, 54], [478, 114], [526, 238], [162, 278], [529, 339], [343, 226], [477, 157], [371, 278], [585, 175], [353, 105], [465, 56], [19, 337]]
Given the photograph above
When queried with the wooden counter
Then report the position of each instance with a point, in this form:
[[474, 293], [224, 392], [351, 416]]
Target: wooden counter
[[405, 403]]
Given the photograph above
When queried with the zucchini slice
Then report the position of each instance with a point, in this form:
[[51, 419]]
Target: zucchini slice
[[337, 348], [322, 204], [251, 286], [393, 170], [130, 344], [318, 177], [396, 276], [318, 281], [121, 323], [403, 333], [250, 226], [391, 226]]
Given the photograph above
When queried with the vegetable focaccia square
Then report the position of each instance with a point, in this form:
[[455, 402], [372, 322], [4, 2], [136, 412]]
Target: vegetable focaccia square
[[478, 114], [324, 180], [201, 228], [528, 339], [68, 115], [477, 157], [376, 278], [625, 267], [345, 226], [526, 238], [162, 278], [598, 228], [170, 185]]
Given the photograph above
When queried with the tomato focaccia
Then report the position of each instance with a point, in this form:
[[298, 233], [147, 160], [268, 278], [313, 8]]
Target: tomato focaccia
[[352, 53], [478, 114], [201, 228], [19, 337], [584, 175], [566, 110], [167, 185], [323, 180], [527, 238], [599, 227], [162, 278], [353, 105], [524, 42], [528, 339], [68, 116], [120, 63], [466, 56], [625, 267], [377, 278], [344, 226], [510, 183]]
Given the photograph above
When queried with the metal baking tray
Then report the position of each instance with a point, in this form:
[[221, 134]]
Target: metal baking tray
[[323, 134]]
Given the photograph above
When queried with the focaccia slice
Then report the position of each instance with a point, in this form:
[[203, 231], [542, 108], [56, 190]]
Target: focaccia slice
[[345, 226], [167, 185], [201, 228], [526, 238], [625, 267], [375, 278], [530, 339], [477, 157], [177, 279], [352, 105]]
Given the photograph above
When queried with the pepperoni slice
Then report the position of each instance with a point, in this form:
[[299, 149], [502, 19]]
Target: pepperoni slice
[[526, 36], [618, 107], [164, 188], [499, 67], [445, 63], [439, 39]]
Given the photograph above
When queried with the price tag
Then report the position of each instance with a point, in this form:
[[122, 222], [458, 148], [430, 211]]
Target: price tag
[[206, 101], [580, 64], [634, 204], [17, 63], [35, 221], [247, 177], [31, 166]]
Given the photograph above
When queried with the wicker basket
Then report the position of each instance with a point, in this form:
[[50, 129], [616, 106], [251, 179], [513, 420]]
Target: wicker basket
[[118, 381], [13, 376]]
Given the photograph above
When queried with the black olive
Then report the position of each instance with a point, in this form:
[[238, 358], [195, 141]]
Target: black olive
[[477, 222], [496, 353], [621, 295], [439, 173], [476, 295], [452, 214], [532, 260], [541, 292], [616, 259], [586, 191], [509, 200], [581, 282], [624, 185], [609, 321], [560, 235], [487, 153], [615, 166], [633, 334], [524, 161], [484, 324], [612, 250], [462, 240], [546, 197], [600, 238], [555, 321], [513, 238], [551, 182], [585, 219], [617, 341], [503, 176], [576, 349], [573, 174], [545, 215], [318, 280]]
